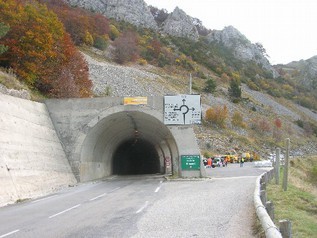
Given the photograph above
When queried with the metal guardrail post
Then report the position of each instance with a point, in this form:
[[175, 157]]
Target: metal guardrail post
[[286, 228], [285, 177]]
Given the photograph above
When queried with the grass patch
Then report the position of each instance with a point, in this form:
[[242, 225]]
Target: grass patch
[[9, 80], [299, 202]]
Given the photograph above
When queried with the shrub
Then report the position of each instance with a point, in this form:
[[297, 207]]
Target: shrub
[[126, 48], [3, 31], [210, 86], [142, 62], [217, 115], [100, 43], [234, 89], [237, 120]]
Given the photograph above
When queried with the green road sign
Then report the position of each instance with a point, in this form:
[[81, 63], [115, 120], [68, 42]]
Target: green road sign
[[190, 162]]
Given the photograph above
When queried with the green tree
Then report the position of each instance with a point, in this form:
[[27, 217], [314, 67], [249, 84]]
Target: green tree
[[100, 43], [3, 31], [210, 86], [235, 89]]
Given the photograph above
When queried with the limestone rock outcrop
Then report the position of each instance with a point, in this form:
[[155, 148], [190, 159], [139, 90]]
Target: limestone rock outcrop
[[134, 11], [307, 71], [178, 23], [241, 47]]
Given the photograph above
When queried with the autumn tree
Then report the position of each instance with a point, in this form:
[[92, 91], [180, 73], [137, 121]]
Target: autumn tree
[[114, 32], [126, 48], [277, 133], [83, 25], [217, 115], [40, 49], [261, 125]]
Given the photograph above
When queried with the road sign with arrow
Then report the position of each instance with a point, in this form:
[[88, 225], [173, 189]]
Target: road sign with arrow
[[182, 110]]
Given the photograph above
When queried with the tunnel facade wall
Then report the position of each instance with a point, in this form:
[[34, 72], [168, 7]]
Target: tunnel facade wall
[[76, 120], [32, 160]]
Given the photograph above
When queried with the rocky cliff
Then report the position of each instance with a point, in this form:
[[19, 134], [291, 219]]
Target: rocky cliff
[[241, 47], [134, 11], [306, 71], [178, 23], [138, 13]]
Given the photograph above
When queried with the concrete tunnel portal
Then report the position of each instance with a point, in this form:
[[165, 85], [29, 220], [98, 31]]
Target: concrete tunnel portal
[[127, 143]]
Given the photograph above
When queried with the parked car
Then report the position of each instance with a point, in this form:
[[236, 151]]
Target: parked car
[[217, 162]]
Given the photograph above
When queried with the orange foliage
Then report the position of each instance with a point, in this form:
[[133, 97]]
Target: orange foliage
[[40, 50], [217, 115], [78, 21]]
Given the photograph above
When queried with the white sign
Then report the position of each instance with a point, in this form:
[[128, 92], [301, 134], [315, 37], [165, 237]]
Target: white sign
[[182, 110]]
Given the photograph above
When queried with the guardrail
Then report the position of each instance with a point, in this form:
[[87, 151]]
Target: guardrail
[[262, 207]]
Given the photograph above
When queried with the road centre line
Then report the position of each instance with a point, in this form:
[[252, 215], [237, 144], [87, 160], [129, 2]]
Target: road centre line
[[64, 211], [142, 208], [104, 194], [114, 189], [10, 233]]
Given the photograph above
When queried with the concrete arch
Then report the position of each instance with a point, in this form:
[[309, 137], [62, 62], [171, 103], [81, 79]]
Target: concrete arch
[[127, 132]]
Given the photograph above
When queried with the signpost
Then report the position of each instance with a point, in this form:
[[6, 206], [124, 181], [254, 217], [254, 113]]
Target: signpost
[[190, 162], [182, 110]]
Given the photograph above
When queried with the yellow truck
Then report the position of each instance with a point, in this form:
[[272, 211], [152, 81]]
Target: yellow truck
[[233, 157]]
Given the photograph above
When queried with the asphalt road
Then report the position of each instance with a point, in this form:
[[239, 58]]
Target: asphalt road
[[141, 206]]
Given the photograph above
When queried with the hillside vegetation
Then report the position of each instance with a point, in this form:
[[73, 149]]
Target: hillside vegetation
[[299, 202], [60, 51]]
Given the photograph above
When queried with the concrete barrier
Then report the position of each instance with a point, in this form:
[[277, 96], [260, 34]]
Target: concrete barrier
[[32, 160], [271, 231]]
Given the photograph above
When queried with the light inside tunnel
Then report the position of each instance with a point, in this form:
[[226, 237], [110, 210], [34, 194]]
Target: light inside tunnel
[[136, 156]]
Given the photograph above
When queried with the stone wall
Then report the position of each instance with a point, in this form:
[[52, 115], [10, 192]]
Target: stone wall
[[32, 160]]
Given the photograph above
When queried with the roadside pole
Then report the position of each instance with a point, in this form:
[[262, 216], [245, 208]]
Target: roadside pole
[[286, 164], [190, 83], [277, 166]]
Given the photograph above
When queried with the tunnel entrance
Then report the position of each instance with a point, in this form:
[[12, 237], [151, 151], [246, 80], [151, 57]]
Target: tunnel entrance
[[136, 156]]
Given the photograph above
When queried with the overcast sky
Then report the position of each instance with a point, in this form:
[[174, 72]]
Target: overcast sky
[[286, 28]]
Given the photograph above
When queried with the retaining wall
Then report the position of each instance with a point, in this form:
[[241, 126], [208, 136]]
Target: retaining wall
[[32, 160]]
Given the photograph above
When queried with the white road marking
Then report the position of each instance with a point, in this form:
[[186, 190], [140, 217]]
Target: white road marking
[[64, 211], [43, 199], [104, 194], [10, 233], [114, 189], [142, 208], [159, 187]]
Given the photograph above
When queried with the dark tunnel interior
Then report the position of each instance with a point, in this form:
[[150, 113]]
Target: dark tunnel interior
[[136, 156]]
